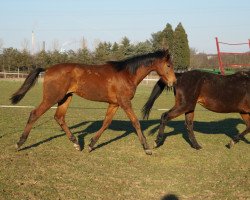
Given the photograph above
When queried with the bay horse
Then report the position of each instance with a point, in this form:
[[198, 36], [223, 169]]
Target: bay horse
[[217, 93], [114, 82]]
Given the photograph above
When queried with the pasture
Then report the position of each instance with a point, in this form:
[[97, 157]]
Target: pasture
[[49, 167]]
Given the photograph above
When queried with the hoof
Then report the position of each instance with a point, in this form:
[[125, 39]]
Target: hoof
[[90, 149], [230, 144], [197, 147], [157, 144], [148, 151], [17, 146], [77, 146]]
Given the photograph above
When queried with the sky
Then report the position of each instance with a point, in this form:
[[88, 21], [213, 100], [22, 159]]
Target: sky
[[64, 23]]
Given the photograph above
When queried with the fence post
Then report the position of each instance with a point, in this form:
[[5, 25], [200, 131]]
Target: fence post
[[219, 57]]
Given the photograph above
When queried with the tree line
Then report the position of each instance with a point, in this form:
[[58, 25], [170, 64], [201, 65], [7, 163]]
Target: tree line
[[175, 40], [203, 60], [12, 59]]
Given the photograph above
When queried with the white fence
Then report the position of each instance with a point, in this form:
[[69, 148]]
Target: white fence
[[148, 80], [12, 75]]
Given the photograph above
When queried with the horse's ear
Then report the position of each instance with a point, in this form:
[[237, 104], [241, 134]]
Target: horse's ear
[[168, 56], [164, 48]]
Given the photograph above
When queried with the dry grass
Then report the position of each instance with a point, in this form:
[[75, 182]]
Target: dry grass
[[50, 168]]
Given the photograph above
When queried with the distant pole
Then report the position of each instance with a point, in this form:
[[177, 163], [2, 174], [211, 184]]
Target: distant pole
[[84, 43], [219, 57], [43, 49], [32, 43]]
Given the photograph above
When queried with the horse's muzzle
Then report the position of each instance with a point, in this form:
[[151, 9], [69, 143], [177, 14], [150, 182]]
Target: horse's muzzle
[[171, 84]]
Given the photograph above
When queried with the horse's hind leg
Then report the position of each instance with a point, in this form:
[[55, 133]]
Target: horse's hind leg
[[189, 119], [106, 122], [34, 115], [240, 136], [60, 118]]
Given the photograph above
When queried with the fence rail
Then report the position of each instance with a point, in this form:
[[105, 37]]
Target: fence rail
[[16, 75], [150, 79], [220, 53]]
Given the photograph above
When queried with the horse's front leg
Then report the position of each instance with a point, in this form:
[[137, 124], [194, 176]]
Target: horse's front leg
[[127, 107], [106, 122], [161, 137], [167, 116]]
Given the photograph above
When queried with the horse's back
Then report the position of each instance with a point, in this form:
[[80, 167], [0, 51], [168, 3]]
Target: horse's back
[[92, 82], [215, 92]]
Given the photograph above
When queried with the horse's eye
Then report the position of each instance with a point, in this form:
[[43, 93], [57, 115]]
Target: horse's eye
[[169, 65]]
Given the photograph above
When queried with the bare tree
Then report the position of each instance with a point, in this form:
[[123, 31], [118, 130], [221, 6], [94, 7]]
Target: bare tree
[[1, 43], [55, 45], [25, 44], [84, 44], [96, 43]]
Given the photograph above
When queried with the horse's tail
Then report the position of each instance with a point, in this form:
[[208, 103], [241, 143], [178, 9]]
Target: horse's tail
[[157, 90], [28, 83]]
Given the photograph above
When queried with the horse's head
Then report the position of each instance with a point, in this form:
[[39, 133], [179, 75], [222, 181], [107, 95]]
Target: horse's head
[[165, 69]]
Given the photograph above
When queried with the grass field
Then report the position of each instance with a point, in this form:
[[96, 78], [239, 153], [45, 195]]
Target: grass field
[[48, 166]]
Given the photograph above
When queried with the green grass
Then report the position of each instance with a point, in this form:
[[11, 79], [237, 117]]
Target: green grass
[[228, 71], [50, 168]]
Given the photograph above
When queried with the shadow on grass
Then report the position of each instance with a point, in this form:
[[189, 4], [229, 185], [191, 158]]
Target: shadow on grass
[[226, 126], [170, 197]]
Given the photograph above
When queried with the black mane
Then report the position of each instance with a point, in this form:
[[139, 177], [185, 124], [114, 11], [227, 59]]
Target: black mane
[[243, 73], [133, 63]]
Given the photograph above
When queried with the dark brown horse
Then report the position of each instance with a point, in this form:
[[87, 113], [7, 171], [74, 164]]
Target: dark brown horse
[[114, 82], [221, 94]]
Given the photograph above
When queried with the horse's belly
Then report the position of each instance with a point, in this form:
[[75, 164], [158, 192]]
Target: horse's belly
[[96, 94], [217, 105]]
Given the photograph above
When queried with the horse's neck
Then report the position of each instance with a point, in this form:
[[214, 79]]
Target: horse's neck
[[140, 74]]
